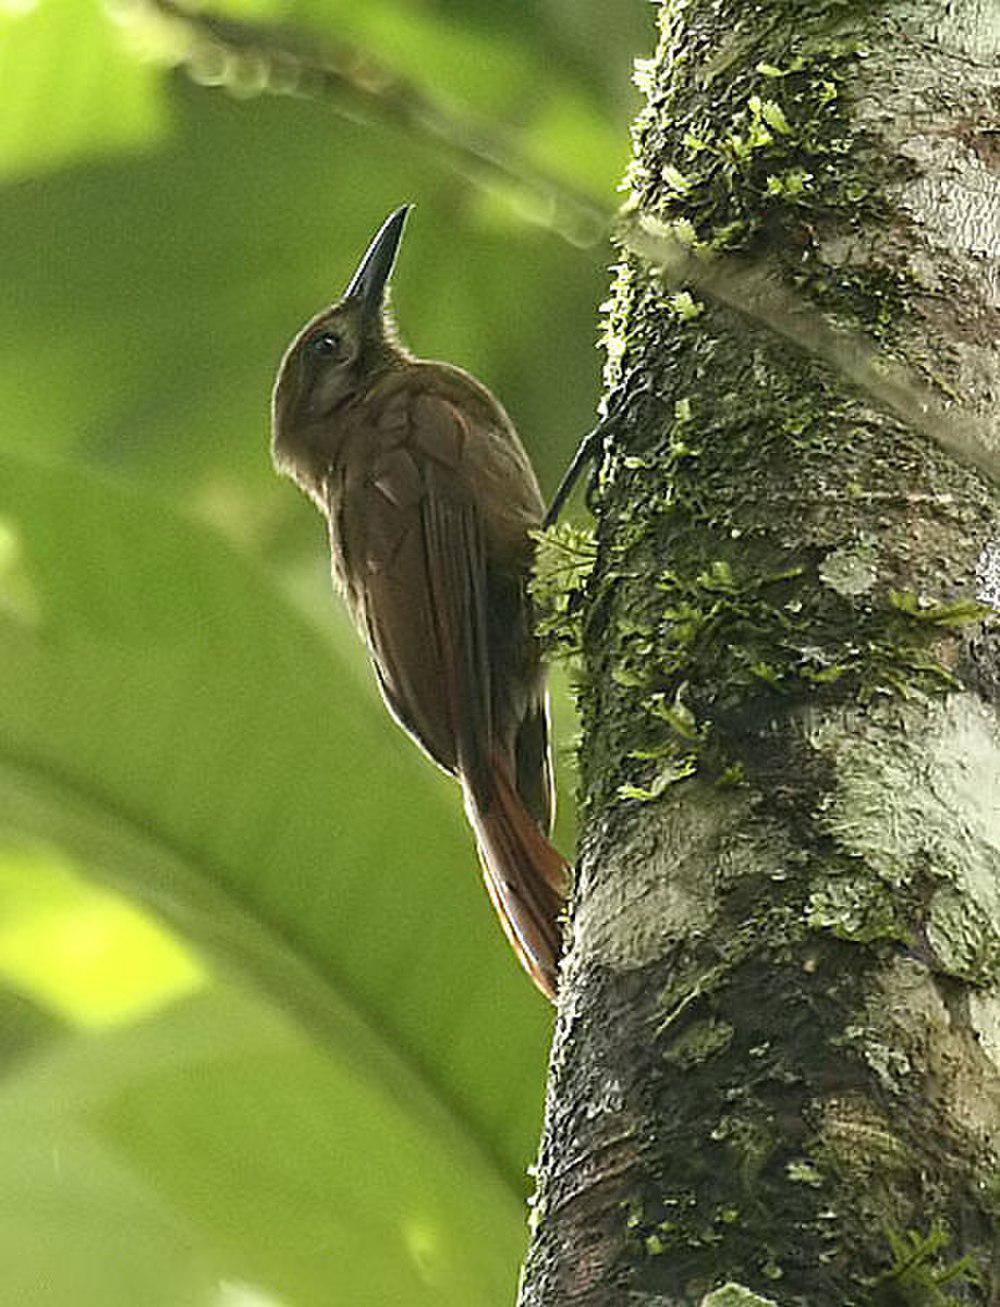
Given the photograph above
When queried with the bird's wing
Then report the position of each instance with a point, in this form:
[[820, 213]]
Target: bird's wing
[[413, 547], [415, 564]]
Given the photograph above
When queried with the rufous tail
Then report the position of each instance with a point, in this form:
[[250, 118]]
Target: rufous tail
[[526, 877]]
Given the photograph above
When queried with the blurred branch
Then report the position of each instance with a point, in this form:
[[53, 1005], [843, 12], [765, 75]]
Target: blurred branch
[[754, 292], [272, 57], [264, 57]]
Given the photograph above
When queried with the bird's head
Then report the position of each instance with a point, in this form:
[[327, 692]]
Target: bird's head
[[339, 351]]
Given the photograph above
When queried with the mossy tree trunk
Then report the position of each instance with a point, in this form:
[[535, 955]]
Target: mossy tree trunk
[[776, 1074]]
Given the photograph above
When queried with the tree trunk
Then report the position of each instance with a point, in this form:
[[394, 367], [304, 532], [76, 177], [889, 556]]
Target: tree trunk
[[776, 1073]]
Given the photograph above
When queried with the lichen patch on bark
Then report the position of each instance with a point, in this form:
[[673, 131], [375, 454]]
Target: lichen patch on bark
[[956, 199], [916, 797], [674, 861]]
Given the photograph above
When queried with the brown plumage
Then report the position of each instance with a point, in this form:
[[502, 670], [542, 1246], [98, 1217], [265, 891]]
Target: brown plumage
[[429, 498]]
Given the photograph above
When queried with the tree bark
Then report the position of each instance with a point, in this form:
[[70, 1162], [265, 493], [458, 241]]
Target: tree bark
[[776, 1072]]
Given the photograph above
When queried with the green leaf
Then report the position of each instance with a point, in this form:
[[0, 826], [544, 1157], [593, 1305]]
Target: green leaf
[[173, 724], [68, 87], [87, 955], [570, 138], [685, 307], [218, 1156], [949, 613], [774, 116], [670, 772]]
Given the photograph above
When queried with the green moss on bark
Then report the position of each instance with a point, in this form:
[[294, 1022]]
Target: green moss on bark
[[776, 902], [757, 149]]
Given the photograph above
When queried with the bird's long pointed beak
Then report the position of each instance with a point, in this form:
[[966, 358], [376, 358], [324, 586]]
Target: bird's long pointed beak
[[372, 276]]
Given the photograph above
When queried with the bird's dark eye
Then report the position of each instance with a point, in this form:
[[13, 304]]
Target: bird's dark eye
[[324, 345]]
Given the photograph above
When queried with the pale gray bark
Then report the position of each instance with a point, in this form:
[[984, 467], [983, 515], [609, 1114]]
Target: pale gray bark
[[776, 1073]]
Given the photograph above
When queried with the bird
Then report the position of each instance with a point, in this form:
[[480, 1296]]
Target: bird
[[430, 503]]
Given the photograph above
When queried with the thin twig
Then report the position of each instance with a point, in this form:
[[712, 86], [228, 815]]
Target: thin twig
[[361, 86]]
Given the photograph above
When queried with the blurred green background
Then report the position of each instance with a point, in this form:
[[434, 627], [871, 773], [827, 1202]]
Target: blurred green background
[[261, 1040]]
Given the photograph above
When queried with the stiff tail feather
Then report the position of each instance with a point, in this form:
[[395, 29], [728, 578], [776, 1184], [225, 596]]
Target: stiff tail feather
[[526, 877]]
